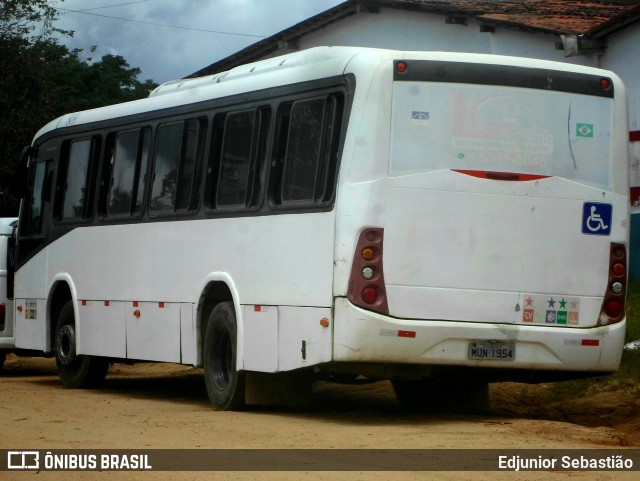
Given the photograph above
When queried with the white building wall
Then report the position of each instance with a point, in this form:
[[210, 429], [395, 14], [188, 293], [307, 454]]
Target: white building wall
[[405, 30], [622, 57]]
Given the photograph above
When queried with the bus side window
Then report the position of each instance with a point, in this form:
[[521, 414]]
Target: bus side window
[[128, 164], [176, 175], [306, 151], [188, 186], [36, 202], [241, 159], [76, 179]]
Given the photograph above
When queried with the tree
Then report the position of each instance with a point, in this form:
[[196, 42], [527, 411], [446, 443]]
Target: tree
[[42, 79]]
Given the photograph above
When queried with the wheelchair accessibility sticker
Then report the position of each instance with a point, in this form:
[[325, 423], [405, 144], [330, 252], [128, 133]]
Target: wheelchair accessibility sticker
[[596, 218]]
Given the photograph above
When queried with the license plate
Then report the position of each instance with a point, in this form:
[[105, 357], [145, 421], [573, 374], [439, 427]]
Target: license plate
[[492, 351]]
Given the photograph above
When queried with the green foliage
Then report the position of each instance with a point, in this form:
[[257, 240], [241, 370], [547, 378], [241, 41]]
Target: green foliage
[[42, 79], [20, 18], [633, 311], [630, 366]]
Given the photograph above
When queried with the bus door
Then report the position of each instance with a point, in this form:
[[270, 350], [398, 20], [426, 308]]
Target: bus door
[[32, 234]]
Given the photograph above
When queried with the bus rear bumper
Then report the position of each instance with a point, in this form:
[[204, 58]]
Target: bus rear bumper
[[362, 336]]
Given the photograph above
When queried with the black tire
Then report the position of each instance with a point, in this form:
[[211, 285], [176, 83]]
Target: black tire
[[434, 395], [75, 371], [225, 384], [3, 357]]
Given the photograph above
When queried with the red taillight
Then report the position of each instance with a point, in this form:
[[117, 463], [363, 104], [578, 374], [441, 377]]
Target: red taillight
[[369, 295], [614, 299], [613, 308], [3, 311], [366, 284]]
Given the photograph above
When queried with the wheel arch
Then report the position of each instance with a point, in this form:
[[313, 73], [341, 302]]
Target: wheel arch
[[218, 287], [61, 291]]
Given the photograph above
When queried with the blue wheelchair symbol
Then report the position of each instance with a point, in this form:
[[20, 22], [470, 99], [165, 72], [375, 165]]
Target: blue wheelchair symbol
[[596, 218]]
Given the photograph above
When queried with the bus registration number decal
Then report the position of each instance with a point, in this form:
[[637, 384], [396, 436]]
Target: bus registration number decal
[[492, 350]]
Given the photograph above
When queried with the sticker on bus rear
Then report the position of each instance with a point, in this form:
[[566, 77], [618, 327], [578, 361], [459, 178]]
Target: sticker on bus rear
[[550, 310], [596, 218]]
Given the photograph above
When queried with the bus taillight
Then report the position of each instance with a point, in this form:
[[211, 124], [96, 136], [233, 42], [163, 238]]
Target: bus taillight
[[614, 299], [366, 284]]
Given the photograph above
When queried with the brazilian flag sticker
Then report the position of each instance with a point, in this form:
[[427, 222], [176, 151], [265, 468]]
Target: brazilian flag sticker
[[584, 130]]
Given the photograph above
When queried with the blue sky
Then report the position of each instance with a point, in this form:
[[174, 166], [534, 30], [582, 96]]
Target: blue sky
[[169, 39]]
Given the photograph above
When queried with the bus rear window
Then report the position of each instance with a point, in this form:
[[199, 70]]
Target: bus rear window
[[440, 126]]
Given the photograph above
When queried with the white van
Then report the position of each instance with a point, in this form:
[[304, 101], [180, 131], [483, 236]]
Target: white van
[[7, 339]]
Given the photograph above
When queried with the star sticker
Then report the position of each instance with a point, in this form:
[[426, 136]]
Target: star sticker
[[563, 303], [552, 303], [574, 305], [529, 301]]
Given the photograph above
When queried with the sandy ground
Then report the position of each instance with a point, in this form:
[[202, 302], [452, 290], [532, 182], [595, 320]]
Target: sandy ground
[[149, 406]]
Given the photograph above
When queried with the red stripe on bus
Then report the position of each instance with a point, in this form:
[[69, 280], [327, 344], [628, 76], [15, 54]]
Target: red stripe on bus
[[411, 334], [508, 176]]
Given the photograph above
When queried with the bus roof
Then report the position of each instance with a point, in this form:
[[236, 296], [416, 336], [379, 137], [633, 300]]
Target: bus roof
[[306, 65]]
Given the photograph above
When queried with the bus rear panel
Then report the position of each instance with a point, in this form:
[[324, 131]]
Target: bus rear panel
[[503, 239]]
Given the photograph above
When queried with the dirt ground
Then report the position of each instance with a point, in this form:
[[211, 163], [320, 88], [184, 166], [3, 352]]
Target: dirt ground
[[149, 406]]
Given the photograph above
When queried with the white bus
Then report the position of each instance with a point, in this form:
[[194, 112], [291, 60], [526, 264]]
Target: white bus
[[440, 220]]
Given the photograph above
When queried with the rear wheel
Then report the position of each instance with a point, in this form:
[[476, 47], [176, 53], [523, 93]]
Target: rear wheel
[[3, 356], [225, 384], [75, 371], [443, 396]]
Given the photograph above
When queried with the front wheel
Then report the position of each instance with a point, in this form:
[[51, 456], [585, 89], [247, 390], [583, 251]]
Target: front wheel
[[75, 371], [225, 384]]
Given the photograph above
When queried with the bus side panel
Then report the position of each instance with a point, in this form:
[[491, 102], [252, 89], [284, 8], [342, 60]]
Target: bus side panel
[[260, 348], [31, 327], [103, 328], [153, 331], [284, 338], [188, 336], [304, 338]]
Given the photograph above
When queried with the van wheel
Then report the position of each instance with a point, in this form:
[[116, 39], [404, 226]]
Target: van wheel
[[225, 384], [75, 371], [431, 395], [3, 356]]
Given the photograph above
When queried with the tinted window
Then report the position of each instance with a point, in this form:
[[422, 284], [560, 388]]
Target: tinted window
[[34, 222], [76, 189], [188, 165], [129, 160], [306, 150], [176, 179], [303, 150], [168, 146], [237, 148], [141, 180]]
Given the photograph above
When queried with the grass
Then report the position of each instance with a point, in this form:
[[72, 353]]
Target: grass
[[630, 366]]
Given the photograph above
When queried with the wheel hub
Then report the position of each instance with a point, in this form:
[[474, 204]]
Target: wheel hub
[[66, 345]]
